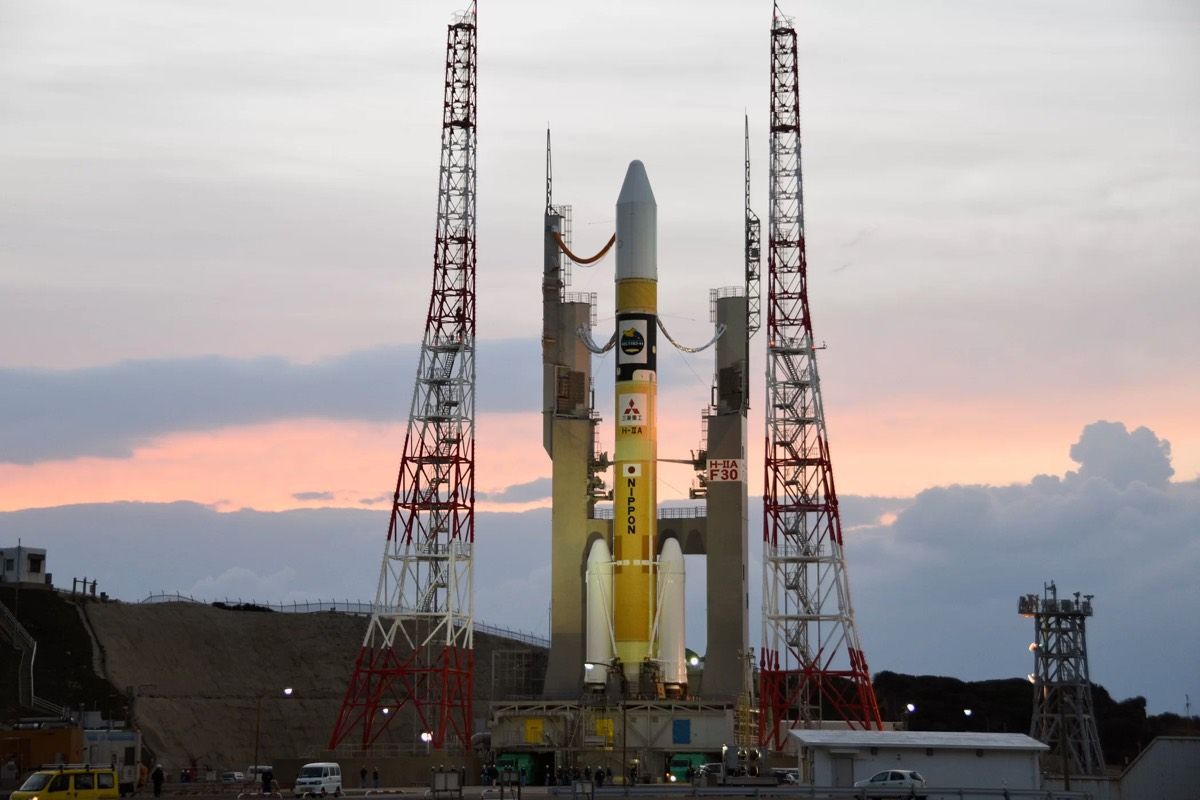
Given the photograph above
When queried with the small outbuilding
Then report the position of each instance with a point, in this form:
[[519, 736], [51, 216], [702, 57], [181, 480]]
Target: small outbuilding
[[22, 564], [946, 759]]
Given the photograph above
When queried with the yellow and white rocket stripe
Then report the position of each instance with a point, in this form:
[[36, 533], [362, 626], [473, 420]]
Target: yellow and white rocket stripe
[[635, 517]]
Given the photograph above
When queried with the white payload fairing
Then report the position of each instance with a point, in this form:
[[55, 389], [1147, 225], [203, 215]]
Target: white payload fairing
[[639, 589]]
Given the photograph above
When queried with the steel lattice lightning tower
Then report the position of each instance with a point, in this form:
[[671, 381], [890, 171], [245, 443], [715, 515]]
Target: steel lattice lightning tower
[[419, 651], [811, 660], [1063, 716], [753, 254]]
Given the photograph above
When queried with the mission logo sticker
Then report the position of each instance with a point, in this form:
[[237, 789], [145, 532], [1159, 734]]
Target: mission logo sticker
[[633, 343]]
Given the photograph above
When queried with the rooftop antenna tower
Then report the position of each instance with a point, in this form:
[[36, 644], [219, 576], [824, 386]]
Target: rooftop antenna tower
[[418, 653], [1063, 716], [811, 662]]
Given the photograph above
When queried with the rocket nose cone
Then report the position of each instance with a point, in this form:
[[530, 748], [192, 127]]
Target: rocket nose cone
[[636, 188], [671, 553]]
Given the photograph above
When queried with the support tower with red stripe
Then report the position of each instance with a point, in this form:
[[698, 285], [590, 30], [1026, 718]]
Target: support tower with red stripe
[[417, 658], [812, 666]]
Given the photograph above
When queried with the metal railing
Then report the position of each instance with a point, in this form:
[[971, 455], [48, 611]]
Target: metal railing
[[823, 792], [22, 641], [664, 512], [357, 608]]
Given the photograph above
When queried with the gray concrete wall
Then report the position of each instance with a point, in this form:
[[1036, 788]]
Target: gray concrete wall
[[727, 559], [570, 448]]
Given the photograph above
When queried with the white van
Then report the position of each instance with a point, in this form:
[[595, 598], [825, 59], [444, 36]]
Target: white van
[[319, 778]]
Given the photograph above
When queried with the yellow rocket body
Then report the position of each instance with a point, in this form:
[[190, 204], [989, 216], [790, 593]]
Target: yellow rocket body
[[635, 517]]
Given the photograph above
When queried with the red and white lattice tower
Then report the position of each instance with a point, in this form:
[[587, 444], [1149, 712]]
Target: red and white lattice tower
[[812, 665], [418, 654]]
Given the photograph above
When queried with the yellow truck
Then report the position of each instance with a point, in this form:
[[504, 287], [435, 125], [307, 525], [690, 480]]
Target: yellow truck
[[70, 782]]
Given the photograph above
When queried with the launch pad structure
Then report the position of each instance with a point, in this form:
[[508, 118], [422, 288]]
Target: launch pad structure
[[618, 675], [607, 573]]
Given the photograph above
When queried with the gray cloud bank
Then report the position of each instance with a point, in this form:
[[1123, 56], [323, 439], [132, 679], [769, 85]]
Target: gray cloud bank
[[935, 592], [108, 411], [528, 492]]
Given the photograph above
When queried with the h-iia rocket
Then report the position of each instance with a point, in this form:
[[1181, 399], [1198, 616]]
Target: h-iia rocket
[[635, 600]]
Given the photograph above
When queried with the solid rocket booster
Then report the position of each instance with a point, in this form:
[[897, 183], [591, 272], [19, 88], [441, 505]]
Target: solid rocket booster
[[635, 515], [598, 642], [672, 654]]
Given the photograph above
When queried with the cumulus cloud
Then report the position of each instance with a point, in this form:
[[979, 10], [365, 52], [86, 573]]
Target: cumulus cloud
[[936, 590], [1107, 450], [108, 411]]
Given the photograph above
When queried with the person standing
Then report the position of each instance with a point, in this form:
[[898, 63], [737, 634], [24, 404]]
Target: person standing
[[375, 777], [362, 777], [156, 778], [268, 778]]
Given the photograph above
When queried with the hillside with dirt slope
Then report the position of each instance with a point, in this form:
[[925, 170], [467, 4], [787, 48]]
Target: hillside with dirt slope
[[200, 679]]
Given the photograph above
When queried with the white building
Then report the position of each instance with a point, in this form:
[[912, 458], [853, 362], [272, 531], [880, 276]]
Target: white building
[[1168, 769], [945, 759], [22, 564]]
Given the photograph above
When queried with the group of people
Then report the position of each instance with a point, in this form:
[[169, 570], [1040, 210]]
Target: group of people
[[565, 776], [362, 778]]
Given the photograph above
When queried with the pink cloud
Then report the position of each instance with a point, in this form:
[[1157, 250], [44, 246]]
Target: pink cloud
[[893, 447]]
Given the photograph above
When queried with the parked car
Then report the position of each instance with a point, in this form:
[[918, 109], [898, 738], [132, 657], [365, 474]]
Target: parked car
[[785, 775], [70, 782], [232, 777], [908, 779], [319, 778]]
